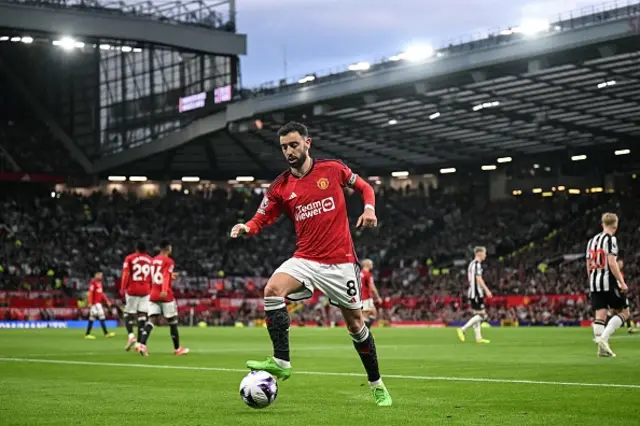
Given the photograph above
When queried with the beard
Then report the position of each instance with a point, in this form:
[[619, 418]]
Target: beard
[[297, 163]]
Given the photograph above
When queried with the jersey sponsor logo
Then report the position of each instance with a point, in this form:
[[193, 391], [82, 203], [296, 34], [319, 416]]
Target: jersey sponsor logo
[[323, 183], [315, 208]]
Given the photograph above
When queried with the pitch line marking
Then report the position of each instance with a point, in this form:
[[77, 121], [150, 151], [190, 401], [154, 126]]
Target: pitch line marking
[[321, 373]]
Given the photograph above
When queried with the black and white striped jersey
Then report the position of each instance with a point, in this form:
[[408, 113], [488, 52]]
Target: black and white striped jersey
[[598, 250], [474, 269]]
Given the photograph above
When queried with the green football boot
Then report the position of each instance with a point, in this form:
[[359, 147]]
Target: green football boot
[[270, 366], [381, 395]]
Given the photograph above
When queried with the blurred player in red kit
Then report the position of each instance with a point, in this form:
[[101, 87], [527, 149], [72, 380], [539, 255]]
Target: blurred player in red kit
[[370, 295], [162, 300], [96, 297], [135, 287], [311, 194]]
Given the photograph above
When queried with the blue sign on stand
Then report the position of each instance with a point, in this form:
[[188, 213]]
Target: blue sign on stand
[[52, 324]]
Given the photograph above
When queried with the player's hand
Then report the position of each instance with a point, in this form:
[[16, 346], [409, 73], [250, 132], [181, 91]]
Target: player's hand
[[489, 295], [239, 229], [379, 301], [163, 295], [123, 293], [623, 287], [368, 219], [174, 275]]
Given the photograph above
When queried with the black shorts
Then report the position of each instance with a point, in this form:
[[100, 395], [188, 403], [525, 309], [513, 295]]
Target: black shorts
[[477, 303], [612, 299]]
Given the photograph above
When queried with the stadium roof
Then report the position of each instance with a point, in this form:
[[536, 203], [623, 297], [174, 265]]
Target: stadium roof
[[570, 91], [187, 25]]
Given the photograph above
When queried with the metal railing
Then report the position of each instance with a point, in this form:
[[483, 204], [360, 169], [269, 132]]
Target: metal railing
[[203, 13], [569, 21]]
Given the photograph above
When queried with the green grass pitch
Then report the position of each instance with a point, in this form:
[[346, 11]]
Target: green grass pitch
[[526, 376]]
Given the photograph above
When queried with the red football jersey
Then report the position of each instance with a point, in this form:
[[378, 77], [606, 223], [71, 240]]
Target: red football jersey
[[366, 278], [96, 293], [161, 278], [315, 203], [137, 271]]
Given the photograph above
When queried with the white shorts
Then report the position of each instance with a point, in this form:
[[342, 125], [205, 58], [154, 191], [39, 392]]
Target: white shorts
[[96, 311], [341, 283], [368, 305], [135, 304], [166, 309]]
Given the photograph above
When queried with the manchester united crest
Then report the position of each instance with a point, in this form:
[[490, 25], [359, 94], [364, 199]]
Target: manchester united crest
[[323, 183]]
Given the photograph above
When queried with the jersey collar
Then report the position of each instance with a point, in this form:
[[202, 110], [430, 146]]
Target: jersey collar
[[313, 163]]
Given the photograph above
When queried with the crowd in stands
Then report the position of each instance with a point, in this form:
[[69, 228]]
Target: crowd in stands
[[420, 249]]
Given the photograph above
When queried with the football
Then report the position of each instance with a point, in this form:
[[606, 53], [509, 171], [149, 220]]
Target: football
[[258, 389]]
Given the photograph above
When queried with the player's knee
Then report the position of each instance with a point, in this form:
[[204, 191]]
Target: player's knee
[[275, 289], [484, 316], [354, 323], [623, 313]]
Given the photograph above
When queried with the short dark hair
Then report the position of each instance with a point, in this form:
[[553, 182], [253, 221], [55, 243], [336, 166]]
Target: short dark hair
[[293, 126], [164, 244], [141, 246]]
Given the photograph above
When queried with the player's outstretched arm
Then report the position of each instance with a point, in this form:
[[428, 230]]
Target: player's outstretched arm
[[268, 212], [238, 230]]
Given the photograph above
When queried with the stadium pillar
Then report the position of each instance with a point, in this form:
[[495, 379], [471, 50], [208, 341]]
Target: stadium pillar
[[609, 182], [163, 188], [498, 185]]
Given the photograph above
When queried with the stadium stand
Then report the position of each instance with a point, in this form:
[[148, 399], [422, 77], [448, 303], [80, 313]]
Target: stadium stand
[[58, 242], [121, 113]]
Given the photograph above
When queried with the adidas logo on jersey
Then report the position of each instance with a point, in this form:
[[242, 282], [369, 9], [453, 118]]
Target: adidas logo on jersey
[[292, 196]]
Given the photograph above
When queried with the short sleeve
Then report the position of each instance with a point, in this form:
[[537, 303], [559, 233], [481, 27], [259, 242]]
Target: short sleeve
[[613, 246], [478, 269], [347, 177]]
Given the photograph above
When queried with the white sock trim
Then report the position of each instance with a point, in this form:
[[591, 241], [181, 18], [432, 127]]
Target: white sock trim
[[376, 383], [282, 363], [271, 303], [361, 335]]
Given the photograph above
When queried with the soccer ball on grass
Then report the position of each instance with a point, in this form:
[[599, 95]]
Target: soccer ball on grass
[[258, 389]]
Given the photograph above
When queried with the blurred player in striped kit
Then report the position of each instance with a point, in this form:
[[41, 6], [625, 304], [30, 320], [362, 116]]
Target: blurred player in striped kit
[[477, 290], [607, 287]]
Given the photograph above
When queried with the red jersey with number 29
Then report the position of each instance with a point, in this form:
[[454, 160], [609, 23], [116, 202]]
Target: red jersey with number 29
[[161, 278], [137, 267], [316, 204]]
